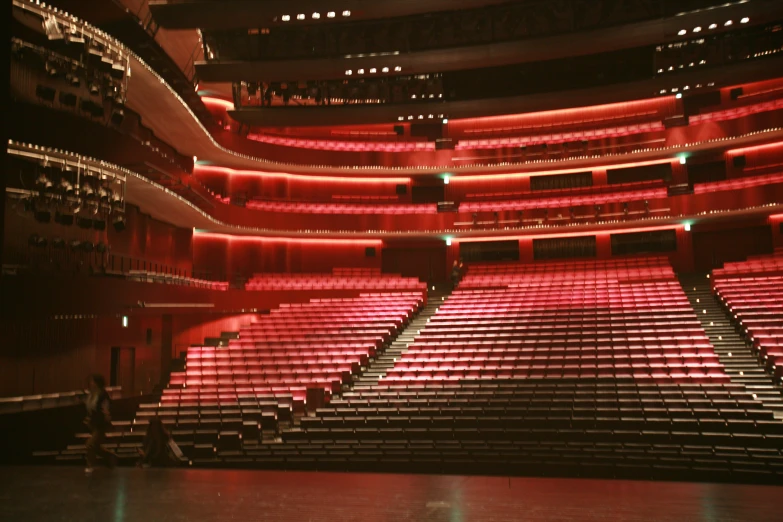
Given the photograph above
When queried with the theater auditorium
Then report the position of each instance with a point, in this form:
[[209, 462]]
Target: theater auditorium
[[442, 260]]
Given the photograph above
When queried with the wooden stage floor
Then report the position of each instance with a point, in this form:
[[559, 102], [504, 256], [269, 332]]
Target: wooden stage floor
[[33, 494]]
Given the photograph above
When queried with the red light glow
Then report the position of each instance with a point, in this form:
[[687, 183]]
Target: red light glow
[[207, 169]]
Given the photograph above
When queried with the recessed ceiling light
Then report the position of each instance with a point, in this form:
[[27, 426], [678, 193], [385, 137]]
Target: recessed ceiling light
[[398, 68], [728, 23], [316, 16], [360, 71], [348, 72], [373, 71], [713, 26], [330, 14], [346, 13], [385, 69], [697, 29], [682, 32], [286, 18], [745, 20]]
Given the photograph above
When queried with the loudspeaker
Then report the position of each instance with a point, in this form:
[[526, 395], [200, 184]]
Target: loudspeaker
[[66, 98], [117, 116], [738, 162], [45, 93], [369, 252], [119, 225], [399, 129], [735, 93], [401, 189]]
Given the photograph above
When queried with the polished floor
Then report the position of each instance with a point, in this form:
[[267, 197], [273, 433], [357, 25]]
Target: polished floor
[[33, 494]]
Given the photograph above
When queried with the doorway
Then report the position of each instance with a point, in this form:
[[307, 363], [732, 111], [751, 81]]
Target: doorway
[[123, 368]]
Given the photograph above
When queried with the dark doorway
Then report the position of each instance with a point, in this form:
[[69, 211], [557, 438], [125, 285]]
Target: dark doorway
[[123, 368]]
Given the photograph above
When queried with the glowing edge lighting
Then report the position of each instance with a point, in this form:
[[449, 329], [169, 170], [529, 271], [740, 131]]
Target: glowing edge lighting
[[476, 177], [262, 239], [734, 152], [287, 175], [218, 101], [568, 234]]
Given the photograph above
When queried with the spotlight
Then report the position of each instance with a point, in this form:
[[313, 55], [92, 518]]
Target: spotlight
[[51, 68], [94, 89], [682, 32], [330, 14], [66, 186], [713, 26], [103, 195], [87, 190], [697, 29], [316, 16], [300, 16], [43, 182], [728, 23], [346, 13], [116, 201], [286, 18], [117, 115], [117, 71], [745, 20], [119, 224], [385, 69]]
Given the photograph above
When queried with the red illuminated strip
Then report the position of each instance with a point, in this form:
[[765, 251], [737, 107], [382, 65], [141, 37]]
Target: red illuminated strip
[[567, 234], [260, 239], [208, 100], [205, 169], [456, 177], [734, 152]]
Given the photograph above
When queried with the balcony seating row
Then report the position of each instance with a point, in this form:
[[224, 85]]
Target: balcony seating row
[[336, 145], [333, 282], [738, 184], [752, 292], [156, 277], [318, 344], [342, 208]]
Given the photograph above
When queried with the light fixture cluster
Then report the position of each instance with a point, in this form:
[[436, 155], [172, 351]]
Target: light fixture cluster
[[64, 186], [712, 26], [680, 90], [412, 117], [373, 70], [315, 16]]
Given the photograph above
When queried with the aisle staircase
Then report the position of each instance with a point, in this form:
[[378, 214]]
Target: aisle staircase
[[732, 349], [383, 362]]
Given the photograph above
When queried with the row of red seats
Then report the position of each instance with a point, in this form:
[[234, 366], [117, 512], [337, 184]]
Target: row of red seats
[[753, 293], [343, 208], [656, 332], [377, 146], [575, 191], [571, 201], [296, 347], [737, 184]]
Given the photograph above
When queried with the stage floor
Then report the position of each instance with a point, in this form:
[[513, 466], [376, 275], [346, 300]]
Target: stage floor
[[34, 494]]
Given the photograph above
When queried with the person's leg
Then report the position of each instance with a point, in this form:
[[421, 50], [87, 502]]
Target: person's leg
[[92, 444], [109, 458]]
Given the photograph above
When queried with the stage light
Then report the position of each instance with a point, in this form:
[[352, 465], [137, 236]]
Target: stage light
[[316, 16], [397, 68], [373, 70], [348, 72], [697, 29], [87, 190], [346, 13], [682, 32], [330, 14], [300, 16], [713, 26], [745, 20], [119, 224], [286, 18], [360, 71], [728, 23], [385, 69]]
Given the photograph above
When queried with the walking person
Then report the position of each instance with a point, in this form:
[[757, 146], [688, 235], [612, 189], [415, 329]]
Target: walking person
[[159, 448], [98, 421]]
